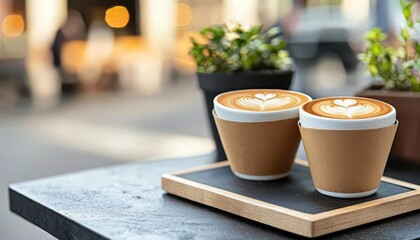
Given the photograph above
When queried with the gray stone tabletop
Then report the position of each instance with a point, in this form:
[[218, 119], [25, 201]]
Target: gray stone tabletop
[[127, 202]]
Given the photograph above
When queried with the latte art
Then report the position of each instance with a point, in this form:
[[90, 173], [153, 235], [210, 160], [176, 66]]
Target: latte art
[[262, 100], [347, 108]]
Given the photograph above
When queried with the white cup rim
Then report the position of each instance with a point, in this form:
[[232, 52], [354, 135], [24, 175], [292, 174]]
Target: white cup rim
[[332, 129], [347, 124]]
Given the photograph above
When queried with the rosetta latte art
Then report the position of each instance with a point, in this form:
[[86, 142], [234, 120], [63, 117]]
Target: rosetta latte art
[[264, 101], [349, 108]]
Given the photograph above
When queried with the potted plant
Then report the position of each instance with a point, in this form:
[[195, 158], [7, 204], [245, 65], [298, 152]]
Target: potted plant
[[398, 68], [233, 58]]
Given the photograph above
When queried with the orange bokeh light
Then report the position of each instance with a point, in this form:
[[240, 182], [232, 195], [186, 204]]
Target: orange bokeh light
[[184, 16], [117, 17], [13, 25]]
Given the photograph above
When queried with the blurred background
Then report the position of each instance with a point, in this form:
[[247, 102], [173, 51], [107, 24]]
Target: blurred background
[[93, 83]]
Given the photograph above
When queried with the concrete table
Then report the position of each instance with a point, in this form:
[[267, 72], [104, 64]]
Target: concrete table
[[126, 202]]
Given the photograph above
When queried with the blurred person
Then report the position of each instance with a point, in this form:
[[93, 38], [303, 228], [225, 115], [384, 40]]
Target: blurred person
[[299, 28], [73, 29], [99, 69], [319, 39], [290, 21]]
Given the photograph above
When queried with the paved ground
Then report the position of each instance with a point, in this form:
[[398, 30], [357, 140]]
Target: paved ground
[[96, 130]]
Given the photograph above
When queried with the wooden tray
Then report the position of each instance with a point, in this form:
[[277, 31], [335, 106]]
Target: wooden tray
[[292, 203]]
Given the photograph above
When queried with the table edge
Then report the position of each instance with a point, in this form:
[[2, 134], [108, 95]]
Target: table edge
[[35, 213]]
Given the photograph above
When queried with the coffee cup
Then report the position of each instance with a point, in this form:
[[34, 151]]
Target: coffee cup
[[258, 130], [347, 141]]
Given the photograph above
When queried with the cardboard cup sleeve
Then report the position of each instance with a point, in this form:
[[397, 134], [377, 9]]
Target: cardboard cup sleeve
[[259, 148], [347, 161]]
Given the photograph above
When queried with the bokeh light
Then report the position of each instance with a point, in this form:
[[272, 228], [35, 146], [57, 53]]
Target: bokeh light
[[117, 17], [13, 25], [185, 15]]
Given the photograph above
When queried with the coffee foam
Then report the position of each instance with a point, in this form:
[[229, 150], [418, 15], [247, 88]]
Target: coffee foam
[[347, 108], [259, 105], [262, 100]]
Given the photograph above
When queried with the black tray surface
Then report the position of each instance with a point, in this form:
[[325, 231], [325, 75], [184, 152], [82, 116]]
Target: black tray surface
[[294, 192]]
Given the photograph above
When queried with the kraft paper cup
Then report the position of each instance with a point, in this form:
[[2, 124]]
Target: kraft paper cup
[[259, 145], [347, 163], [259, 151]]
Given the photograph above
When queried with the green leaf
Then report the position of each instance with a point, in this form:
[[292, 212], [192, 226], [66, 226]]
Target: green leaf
[[408, 64], [415, 84], [387, 63], [376, 34], [255, 30], [373, 70], [406, 7], [273, 31], [404, 34], [377, 49]]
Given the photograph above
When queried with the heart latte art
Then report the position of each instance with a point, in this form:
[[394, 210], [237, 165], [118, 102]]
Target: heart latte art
[[262, 100], [347, 108]]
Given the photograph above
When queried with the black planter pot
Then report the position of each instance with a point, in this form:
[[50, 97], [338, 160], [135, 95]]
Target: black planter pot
[[216, 83]]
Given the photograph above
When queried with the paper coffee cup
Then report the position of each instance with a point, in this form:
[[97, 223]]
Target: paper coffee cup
[[347, 157], [260, 145]]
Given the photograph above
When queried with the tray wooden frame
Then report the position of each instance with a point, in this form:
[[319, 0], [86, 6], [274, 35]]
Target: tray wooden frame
[[305, 224]]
